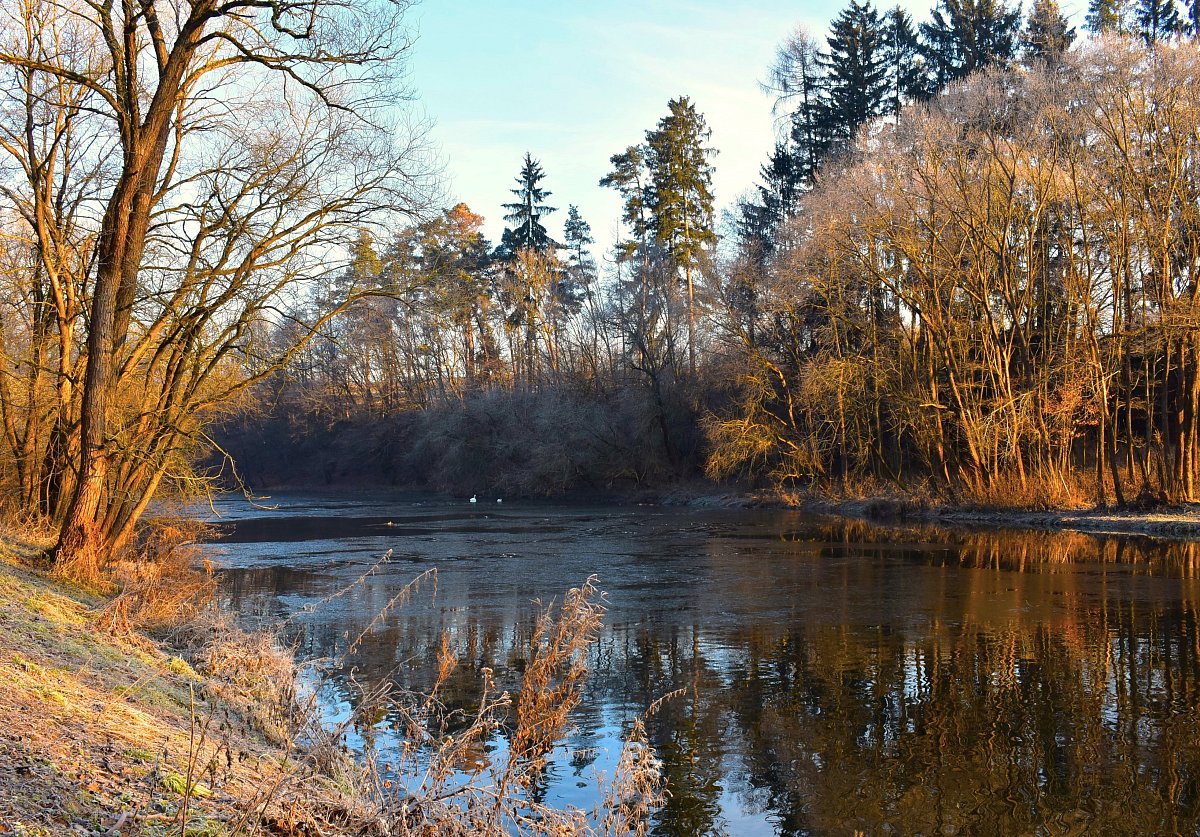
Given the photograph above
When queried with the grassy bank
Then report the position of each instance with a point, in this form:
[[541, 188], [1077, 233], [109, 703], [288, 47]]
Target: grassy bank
[[199, 732], [117, 734]]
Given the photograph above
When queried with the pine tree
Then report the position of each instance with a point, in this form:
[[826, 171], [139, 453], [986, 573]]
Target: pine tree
[[681, 199], [855, 71], [581, 267], [1157, 20], [906, 77], [1106, 16], [1192, 24], [628, 177], [967, 35], [526, 213], [1047, 34]]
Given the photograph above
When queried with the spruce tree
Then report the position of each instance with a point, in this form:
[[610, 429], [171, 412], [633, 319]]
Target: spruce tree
[[855, 71], [906, 77], [1106, 16], [967, 35], [776, 200], [1047, 34], [525, 214], [1157, 20]]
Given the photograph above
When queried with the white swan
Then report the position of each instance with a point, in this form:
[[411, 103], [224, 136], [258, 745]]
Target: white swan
[[473, 500]]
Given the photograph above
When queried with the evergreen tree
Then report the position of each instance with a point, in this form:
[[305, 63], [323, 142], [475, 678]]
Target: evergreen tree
[[1047, 34], [967, 35], [1106, 16], [778, 196], [680, 192], [581, 267], [855, 71], [1157, 20], [680, 188], [628, 177], [577, 235], [1192, 24], [906, 77], [525, 214]]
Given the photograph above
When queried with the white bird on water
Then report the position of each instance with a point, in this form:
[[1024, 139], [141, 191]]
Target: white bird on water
[[498, 500], [473, 500]]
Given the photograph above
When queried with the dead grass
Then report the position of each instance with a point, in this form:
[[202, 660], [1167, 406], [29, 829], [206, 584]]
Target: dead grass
[[107, 732], [93, 727], [163, 583]]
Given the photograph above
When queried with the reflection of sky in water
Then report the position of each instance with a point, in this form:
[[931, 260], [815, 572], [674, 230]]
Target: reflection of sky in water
[[836, 678]]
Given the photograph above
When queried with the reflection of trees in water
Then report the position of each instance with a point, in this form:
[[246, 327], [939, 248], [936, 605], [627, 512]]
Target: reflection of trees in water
[[1054, 684]]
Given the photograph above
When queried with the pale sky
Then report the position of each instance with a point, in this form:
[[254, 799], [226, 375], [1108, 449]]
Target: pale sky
[[575, 81]]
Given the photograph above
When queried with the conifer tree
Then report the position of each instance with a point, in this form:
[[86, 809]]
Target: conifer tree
[[1157, 20], [855, 71], [1106, 16], [777, 198], [525, 214], [581, 267], [967, 35], [798, 82], [906, 77], [577, 235], [628, 177], [681, 200], [1047, 34]]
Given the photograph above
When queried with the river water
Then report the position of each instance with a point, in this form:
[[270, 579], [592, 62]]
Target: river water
[[836, 678]]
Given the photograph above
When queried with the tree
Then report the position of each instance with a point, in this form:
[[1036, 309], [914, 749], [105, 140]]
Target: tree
[[250, 135], [797, 81], [681, 199], [855, 72], [1047, 34], [967, 35], [906, 77], [1157, 20], [526, 213], [1106, 16]]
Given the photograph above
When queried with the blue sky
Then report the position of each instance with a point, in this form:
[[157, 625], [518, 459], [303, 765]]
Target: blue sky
[[575, 81]]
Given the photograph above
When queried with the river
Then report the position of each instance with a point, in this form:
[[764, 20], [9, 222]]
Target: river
[[836, 677]]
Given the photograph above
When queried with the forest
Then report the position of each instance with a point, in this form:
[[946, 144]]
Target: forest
[[969, 271]]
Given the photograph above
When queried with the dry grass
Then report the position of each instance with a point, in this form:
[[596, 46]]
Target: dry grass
[[162, 584], [106, 730], [442, 780]]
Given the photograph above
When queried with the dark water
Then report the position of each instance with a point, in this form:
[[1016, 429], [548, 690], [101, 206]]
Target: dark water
[[838, 678]]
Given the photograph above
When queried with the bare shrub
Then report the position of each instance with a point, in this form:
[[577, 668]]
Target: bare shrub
[[442, 777]]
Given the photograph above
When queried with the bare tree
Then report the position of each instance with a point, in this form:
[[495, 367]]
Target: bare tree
[[253, 138]]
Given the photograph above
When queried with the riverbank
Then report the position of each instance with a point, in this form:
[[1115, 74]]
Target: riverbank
[[1176, 522], [116, 735]]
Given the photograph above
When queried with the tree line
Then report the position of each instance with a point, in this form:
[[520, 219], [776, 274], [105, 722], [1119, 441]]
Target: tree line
[[953, 277], [969, 268]]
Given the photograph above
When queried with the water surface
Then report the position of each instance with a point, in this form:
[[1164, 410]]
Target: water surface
[[837, 678]]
